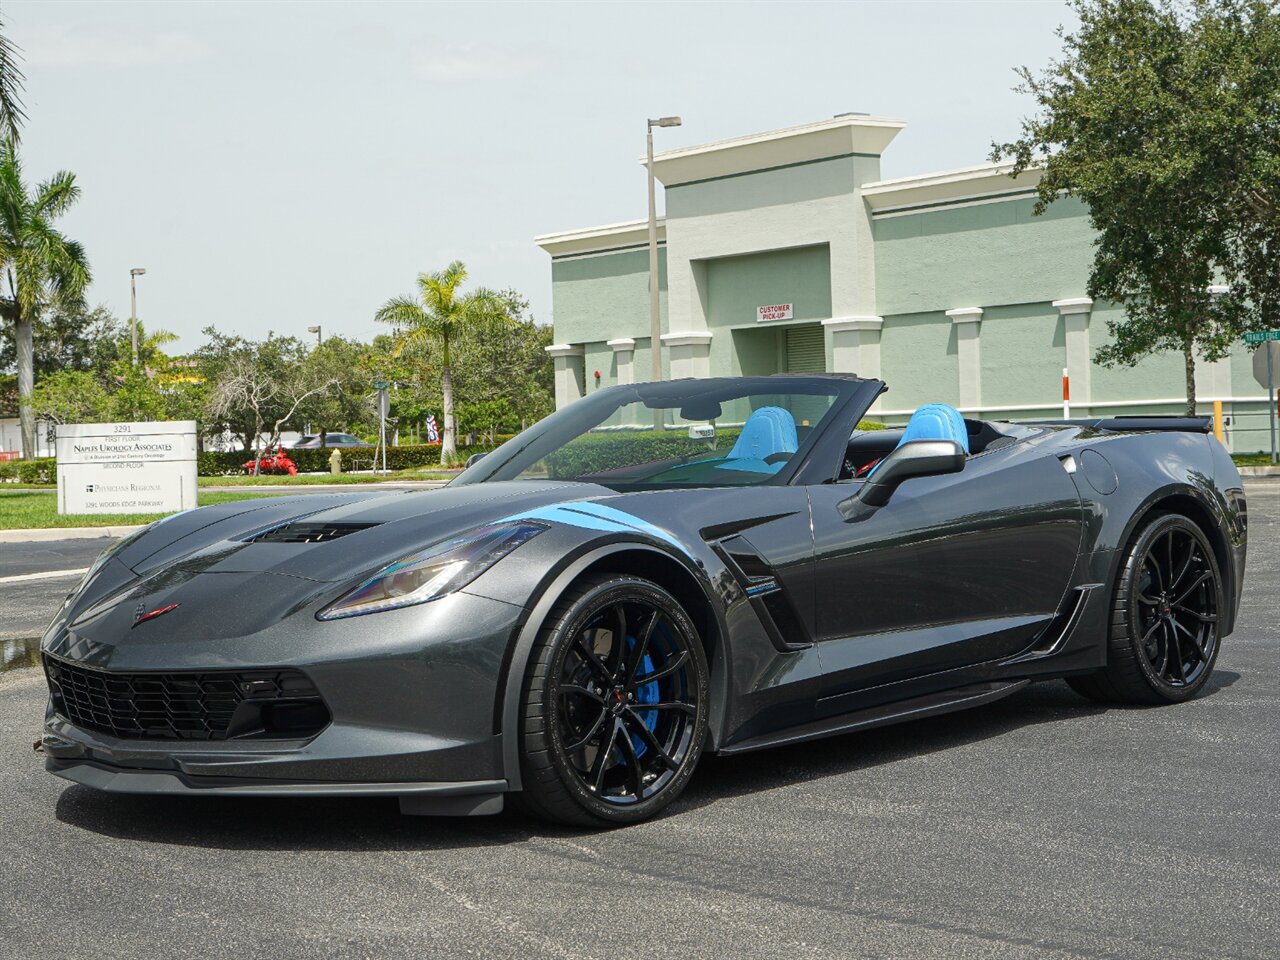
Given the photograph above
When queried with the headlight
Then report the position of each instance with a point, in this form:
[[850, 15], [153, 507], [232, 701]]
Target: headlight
[[434, 572]]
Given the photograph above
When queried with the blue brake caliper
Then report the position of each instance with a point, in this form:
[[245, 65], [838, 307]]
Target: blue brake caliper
[[645, 693]]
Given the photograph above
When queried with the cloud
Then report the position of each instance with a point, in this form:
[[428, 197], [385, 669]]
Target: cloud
[[471, 62], [90, 47]]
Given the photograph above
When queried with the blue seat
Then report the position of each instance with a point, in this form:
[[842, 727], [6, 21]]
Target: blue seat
[[767, 431], [936, 421]]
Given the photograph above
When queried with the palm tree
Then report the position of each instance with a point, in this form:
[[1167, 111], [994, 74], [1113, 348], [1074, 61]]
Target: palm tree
[[11, 112], [38, 265], [441, 316]]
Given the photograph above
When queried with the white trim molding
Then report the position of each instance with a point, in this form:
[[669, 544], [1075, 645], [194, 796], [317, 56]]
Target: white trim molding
[[687, 338], [843, 324], [610, 236], [1218, 289], [965, 314], [565, 350], [1074, 305], [984, 180], [622, 344]]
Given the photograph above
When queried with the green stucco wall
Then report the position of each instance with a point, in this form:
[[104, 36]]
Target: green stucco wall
[[605, 296], [768, 188], [918, 360], [1023, 353], [736, 286], [977, 256]]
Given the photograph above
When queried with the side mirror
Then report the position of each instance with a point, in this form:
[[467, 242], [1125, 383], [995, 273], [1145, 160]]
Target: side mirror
[[916, 458], [474, 459]]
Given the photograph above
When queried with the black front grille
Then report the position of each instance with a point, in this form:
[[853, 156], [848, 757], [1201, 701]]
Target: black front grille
[[307, 532], [187, 706]]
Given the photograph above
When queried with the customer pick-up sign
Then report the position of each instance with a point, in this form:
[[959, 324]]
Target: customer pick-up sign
[[776, 311]]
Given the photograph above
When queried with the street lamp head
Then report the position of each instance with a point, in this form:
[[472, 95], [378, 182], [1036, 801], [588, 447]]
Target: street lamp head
[[313, 329], [137, 271], [665, 122]]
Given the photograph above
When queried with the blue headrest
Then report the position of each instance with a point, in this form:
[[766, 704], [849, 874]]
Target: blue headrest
[[767, 431], [936, 421]]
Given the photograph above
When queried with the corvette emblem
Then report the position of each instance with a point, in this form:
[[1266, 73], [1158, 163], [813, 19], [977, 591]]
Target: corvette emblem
[[140, 617]]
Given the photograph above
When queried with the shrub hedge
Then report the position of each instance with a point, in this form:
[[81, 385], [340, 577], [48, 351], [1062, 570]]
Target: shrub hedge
[[582, 456], [220, 463], [37, 470]]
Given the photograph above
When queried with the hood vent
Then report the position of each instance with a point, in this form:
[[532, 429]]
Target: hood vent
[[304, 532]]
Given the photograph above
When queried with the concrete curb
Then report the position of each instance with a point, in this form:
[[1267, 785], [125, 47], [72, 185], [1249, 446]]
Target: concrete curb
[[64, 533], [1272, 471]]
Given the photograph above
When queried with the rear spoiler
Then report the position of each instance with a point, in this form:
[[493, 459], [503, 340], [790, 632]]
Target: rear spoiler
[[1139, 422]]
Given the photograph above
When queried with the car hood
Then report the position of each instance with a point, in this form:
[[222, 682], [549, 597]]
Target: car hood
[[334, 537]]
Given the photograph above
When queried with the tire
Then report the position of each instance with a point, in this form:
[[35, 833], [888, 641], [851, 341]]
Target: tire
[[580, 676], [1164, 631]]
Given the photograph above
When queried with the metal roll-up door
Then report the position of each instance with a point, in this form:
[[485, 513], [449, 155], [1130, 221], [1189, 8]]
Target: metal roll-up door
[[804, 350]]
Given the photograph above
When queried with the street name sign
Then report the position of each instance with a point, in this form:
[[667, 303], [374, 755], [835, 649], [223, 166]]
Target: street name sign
[[1262, 336], [127, 467]]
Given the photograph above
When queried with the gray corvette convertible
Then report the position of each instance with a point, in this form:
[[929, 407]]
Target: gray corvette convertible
[[656, 571]]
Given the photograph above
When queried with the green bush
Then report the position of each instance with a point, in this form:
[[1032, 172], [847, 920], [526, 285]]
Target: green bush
[[38, 470], [214, 463]]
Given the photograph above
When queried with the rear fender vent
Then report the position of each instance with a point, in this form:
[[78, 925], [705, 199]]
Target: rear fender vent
[[306, 532]]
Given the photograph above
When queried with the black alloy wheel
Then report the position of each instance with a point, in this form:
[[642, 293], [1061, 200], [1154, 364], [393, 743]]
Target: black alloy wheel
[[615, 704], [1165, 627]]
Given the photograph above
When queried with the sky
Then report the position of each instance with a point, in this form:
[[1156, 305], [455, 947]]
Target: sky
[[276, 165]]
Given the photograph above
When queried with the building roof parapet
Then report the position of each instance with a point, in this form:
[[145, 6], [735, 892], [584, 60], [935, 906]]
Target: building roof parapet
[[841, 136], [609, 237], [984, 181]]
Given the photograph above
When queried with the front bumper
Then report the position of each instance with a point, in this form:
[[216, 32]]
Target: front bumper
[[411, 717]]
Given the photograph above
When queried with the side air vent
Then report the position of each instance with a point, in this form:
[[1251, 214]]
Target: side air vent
[[304, 532], [760, 584]]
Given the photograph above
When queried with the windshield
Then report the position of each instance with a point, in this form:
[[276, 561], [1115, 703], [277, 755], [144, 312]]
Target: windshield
[[727, 432]]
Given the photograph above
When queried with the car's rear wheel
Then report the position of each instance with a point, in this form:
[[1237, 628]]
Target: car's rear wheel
[[614, 711], [1165, 627]]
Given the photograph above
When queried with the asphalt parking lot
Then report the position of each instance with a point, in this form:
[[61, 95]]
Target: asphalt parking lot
[[1038, 826]]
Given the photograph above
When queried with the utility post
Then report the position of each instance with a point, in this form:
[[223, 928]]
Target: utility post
[[655, 321], [134, 274]]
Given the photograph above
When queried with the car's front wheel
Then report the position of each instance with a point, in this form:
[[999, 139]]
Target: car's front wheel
[[614, 710], [1165, 626]]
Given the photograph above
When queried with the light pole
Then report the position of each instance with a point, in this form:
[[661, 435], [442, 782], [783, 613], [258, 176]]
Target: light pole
[[134, 274], [655, 321], [316, 331]]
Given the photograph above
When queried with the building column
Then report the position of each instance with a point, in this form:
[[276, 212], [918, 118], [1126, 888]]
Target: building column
[[624, 354], [968, 324], [689, 353], [569, 372], [855, 347], [1075, 313]]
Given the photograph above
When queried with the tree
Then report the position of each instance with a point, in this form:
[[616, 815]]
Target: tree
[[1161, 119], [348, 405], [442, 316], [11, 112], [71, 396], [39, 267], [255, 386]]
